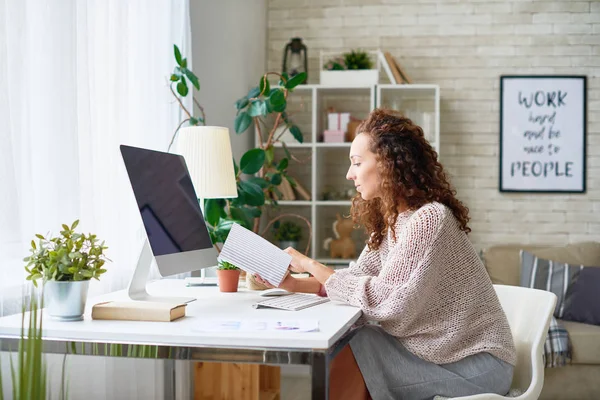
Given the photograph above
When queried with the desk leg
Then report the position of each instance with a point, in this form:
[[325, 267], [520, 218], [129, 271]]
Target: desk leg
[[169, 381], [320, 376]]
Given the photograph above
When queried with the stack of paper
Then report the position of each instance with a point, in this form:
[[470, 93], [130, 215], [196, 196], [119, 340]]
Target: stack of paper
[[256, 255]]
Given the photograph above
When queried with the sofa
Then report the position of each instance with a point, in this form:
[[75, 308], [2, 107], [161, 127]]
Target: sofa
[[581, 379]]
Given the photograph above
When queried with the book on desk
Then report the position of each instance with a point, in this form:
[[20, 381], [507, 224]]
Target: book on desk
[[138, 311]]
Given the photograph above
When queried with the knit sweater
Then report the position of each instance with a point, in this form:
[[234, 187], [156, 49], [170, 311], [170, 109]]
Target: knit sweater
[[428, 288]]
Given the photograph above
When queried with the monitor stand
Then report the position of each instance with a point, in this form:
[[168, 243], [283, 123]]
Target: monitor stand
[[137, 285]]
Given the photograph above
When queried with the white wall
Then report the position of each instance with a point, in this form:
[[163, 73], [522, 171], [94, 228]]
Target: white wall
[[229, 41], [464, 47]]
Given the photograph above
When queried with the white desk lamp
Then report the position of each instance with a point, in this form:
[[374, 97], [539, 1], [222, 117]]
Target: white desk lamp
[[207, 153]]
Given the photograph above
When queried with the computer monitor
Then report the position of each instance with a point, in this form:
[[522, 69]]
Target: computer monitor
[[177, 236]]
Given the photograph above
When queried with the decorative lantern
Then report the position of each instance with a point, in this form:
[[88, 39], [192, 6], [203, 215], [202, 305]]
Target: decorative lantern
[[294, 58]]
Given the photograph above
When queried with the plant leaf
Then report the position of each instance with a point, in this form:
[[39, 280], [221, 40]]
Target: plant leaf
[[296, 80], [215, 210], [193, 78], [276, 179], [174, 78], [277, 98], [270, 154], [285, 77], [184, 63], [182, 88], [252, 93], [261, 182], [296, 133], [75, 224], [252, 161], [264, 86], [241, 103], [240, 215], [242, 122], [282, 164], [253, 194], [177, 54], [257, 108]]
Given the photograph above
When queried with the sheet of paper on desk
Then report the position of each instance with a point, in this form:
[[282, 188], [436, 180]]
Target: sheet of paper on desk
[[252, 253], [256, 325]]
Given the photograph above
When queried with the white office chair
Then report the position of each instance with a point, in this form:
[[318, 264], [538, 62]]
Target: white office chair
[[528, 312]]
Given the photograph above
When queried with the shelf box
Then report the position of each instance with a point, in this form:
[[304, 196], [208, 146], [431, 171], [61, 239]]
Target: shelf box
[[349, 77]]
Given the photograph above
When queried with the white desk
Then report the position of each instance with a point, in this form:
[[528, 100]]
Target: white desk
[[177, 341]]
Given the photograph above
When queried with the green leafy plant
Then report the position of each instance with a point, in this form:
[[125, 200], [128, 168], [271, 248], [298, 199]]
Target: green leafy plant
[[357, 59], [287, 231], [69, 257], [224, 265], [179, 78]]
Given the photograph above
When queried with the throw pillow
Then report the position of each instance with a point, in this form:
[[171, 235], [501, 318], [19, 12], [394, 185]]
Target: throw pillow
[[582, 303], [556, 277]]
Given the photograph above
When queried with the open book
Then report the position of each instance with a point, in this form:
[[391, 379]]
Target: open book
[[256, 255]]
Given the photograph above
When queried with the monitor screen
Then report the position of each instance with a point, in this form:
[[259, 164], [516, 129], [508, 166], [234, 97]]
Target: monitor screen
[[167, 201]]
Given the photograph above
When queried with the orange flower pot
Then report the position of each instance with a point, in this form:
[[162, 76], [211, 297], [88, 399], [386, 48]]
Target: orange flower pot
[[228, 279]]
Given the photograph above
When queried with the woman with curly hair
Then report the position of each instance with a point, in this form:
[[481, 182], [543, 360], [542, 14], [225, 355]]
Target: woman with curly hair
[[437, 326]]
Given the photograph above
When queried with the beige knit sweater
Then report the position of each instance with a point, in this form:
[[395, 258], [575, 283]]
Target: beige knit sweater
[[429, 289]]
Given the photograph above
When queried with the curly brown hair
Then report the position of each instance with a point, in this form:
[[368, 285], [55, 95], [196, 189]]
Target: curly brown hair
[[410, 172]]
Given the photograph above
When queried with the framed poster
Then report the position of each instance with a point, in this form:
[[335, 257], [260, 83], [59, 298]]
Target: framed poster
[[542, 134]]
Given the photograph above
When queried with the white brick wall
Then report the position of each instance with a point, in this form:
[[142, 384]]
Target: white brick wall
[[464, 47]]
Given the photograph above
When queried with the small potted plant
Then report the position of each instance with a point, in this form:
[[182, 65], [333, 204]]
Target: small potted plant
[[66, 263], [352, 68], [228, 276], [287, 233]]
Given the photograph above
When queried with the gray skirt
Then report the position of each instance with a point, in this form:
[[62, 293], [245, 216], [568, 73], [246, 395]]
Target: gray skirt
[[392, 372]]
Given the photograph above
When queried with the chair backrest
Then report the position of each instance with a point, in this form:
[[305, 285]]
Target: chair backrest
[[529, 312]]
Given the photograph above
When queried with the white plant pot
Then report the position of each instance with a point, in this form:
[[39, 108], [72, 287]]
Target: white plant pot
[[359, 77], [66, 300]]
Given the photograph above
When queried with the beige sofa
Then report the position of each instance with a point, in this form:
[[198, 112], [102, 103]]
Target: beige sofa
[[581, 379]]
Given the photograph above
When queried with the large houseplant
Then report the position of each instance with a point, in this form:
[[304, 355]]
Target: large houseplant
[[258, 174], [66, 263]]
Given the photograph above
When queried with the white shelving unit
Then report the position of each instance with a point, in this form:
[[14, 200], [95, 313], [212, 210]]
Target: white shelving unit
[[325, 164]]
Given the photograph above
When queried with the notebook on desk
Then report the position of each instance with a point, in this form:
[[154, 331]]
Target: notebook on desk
[[138, 311], [256, 255]]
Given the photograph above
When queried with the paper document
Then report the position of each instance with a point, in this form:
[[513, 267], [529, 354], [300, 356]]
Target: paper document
[[256, 325], [256, 255]]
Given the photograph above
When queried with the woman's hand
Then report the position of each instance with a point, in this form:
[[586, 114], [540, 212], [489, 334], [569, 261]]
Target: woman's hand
[[288, 283], [300, 263]]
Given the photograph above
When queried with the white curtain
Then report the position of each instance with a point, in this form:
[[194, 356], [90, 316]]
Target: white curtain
[[77, 79]]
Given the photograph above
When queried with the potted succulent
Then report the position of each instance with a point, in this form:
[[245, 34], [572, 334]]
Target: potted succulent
[[287, 233], [352, 68], [66, 263], [228, 276]]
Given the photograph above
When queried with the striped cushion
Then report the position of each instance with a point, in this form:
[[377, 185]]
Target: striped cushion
[[553, 276]]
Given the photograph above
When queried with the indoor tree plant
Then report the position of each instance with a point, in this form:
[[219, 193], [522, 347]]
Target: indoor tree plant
[[66, 263], [287, 233], [228, 276], [257, 173]]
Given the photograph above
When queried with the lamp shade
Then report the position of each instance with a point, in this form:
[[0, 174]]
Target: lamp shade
[[207, 153]]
